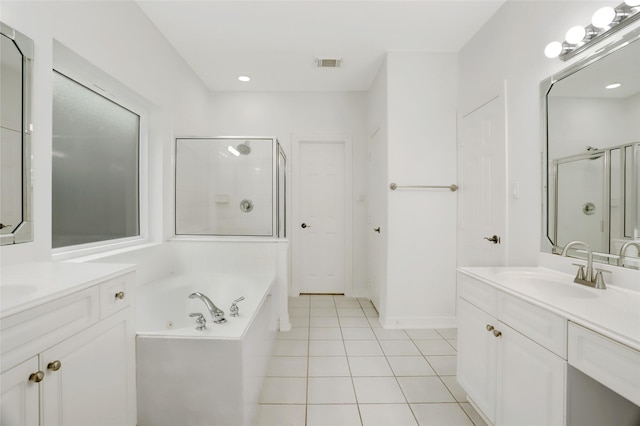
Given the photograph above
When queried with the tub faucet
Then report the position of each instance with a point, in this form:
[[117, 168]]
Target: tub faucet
[[216, 313], [624, 248]]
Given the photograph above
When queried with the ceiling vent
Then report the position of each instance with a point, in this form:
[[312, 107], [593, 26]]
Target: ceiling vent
[[328, 62]]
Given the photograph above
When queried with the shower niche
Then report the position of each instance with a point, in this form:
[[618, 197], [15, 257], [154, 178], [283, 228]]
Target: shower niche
[[230, 186]]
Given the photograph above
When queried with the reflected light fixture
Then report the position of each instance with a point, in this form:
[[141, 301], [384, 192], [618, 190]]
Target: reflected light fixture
[[244, 78], [612, 86], [605, 22], [233, 151]]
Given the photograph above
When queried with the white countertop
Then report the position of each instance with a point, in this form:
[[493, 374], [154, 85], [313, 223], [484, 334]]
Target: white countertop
[[614, 312], [26, 285]]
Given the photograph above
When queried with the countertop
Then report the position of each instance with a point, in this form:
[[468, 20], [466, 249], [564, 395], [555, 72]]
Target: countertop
[[614, 312], [26, 285]]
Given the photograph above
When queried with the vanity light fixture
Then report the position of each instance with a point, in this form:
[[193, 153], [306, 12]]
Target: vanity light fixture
[[605, 22], [613, 86], [244, 78]]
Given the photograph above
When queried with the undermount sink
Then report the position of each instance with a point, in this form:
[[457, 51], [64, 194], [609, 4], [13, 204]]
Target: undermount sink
[[549, 283]]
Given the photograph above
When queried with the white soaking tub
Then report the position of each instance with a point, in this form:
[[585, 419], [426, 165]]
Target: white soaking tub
[[209, 377]]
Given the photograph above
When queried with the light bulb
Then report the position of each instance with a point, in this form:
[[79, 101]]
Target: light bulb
[[632, 3], [613, 86], [603, 17], [553, 49], [575, 34], [233, 151], [244, 78]]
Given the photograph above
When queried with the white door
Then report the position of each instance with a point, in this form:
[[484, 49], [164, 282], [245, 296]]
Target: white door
[[377, 217], [319, 248], [482, 204], [19, 402]]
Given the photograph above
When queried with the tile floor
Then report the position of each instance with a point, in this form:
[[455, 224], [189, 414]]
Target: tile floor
[[337, 366]]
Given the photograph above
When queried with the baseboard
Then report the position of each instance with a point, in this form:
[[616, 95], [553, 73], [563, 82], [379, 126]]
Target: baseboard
[[284, 324], [418, 322]]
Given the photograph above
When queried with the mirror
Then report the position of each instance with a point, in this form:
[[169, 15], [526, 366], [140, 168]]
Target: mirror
[[592, 171], [16, 52]]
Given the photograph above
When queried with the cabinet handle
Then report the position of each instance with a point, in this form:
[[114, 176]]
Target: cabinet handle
[[489, 327], [120, 295], [54, 365], [497, 333], [37, 377]]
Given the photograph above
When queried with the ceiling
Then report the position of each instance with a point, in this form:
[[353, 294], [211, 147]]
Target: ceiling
[[276, 42]]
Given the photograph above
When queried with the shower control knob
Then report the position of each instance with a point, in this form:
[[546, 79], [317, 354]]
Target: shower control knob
[[377, 229], [304, 226], [495, 239]]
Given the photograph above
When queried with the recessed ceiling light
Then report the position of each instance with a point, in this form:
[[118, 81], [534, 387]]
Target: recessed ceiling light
[[613, 86], [244, 78]]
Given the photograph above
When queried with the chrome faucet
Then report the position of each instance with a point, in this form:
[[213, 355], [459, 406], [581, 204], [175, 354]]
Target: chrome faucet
[[216, 313], [595, 281], [624, 248]]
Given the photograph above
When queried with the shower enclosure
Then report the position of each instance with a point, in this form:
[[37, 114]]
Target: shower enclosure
[[230, 186]]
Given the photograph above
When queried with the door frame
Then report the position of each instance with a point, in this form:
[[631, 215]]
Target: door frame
[[346, 142]]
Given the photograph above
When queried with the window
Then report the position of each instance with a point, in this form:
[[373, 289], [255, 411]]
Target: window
[[96, 145]]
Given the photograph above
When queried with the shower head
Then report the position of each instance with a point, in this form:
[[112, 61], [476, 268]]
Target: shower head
[[244, 148]]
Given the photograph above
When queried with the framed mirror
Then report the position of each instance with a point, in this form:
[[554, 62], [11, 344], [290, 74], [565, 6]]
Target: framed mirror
[[16, 52], [592, 155]]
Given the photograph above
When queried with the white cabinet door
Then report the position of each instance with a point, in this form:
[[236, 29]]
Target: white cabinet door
[[19, 402], [531, 382], [477, 356], [94, 384]]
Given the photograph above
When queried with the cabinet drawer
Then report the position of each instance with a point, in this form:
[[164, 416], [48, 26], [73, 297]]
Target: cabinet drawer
[[116, 294], [477, 293], [541, 326], [614, 365], [26, 333]]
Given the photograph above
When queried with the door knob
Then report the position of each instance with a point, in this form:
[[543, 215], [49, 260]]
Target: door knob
[[54, 366], [37, 377], [377, 229], [304, 225], [495, 239]]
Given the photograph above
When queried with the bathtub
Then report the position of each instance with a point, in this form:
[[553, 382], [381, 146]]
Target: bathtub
[[208, 377]]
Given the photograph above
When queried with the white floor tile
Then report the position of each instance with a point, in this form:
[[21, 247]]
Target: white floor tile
[[440, 415], [324, 322], [331, 390], [328, 366], [346, 302], [365, 303], [354, 322], [387, 415], [399, 348], [296, 333], [326, 348], [352, 333], [279, 415], [333, 415], [374, 322], [363, 348], [350, 312], [290, 348], [378, 390], [369, 366], [384, 334], [423, 334], [435, 347], [371, 312], [448, 333], [298, 302], [277, 390], [299, 321], [443, 365], [298, 312], [410, 366], [425, 389], [326, 302], [287, 366], [454, 387], [473, 414], [322, 312], [325, 333]]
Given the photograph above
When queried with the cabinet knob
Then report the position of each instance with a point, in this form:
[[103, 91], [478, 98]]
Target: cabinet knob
[[54, 365], [497, 333], [36, 377], [489, 327], [120, 295]]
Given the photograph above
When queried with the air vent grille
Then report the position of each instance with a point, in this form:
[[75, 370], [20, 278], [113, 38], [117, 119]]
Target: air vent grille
[[328, 62]]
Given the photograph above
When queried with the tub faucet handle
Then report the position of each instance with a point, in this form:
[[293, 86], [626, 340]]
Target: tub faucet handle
[[201, 322], [234, 311]]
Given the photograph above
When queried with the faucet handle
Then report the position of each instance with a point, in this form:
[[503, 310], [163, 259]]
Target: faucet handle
[[580, 275], [200, 320], [599, 281], [234, 311]]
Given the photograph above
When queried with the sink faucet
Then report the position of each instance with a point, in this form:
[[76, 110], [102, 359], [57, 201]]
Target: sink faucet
[[624, 248], [216, 313], [589, 276]]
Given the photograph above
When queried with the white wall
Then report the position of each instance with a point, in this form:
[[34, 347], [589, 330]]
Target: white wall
[[511, 47], [287, 115], [119, 40]]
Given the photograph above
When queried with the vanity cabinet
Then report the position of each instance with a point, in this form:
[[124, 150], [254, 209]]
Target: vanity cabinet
[[504, 360], [86, 375]]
